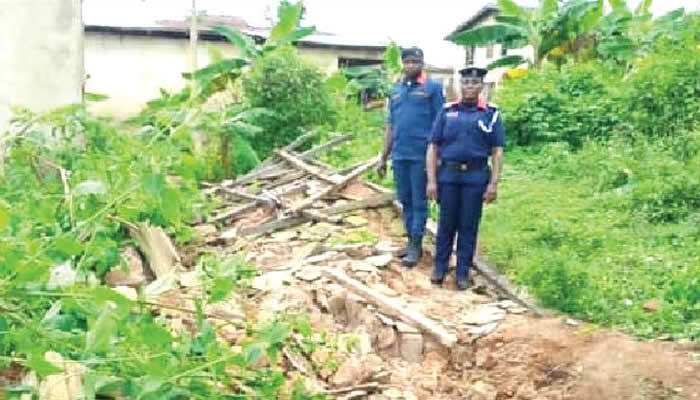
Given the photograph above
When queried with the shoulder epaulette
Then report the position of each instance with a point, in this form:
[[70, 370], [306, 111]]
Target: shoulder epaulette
[[450, 104]]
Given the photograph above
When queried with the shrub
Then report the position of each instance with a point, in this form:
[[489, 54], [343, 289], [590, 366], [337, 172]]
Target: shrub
[[293, 90], [568, 105]]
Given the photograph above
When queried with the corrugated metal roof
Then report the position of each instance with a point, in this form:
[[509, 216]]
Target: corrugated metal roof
[[480, 15], [180, 28]]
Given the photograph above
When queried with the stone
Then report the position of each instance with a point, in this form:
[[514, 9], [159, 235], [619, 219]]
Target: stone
[[380, 261], [572, 322], [191, 279], [483, 391], [361, 251], [356, 221], [386, 320], [329, 255], [206, 230], [66, 385], [336, 304], [271, 281], [506, 304], [386, 337], [652, 306], [411, 347], [284, 236], [128, 292], [361, 266], [434, 362], [517, 310], [483, 330], [309, 274], [405, 328], [393, 393], [386, 246], [353, 308], [364, 343], [349, 373], [485, 360], [134, 275], [484, 315]]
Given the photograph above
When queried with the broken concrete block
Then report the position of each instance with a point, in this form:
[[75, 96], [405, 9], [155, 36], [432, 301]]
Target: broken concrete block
[[134, 275], [411, 347]]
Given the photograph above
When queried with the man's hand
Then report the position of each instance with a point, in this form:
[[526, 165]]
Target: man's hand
[[491, 193], [381, 167], [431, 190]]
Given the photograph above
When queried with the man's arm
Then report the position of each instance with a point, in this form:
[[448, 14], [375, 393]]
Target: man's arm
[[431, 156], [431, 170]]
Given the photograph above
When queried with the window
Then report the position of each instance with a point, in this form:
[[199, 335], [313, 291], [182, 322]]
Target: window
[[489, 52], [504, 51], [469, 58]]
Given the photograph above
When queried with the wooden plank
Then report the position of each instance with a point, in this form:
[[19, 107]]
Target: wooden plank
[[235, 212], [298, 142], [392, 307], [321, 216], [157, 247], [379, 200], [336, 141], [310, 169], [309, 154], [276, 225], [312, 199]]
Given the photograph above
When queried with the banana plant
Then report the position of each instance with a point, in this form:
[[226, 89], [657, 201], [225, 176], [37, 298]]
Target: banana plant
[[626, 34], [218, 74], [545, 28]]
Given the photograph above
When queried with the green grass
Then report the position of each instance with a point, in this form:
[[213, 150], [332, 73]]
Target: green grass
[[585, 251]]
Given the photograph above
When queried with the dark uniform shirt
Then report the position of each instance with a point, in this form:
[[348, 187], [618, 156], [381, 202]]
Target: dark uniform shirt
[[466, 134], [413, 106]]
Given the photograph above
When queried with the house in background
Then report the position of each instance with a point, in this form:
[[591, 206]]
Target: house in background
[[130, 64], [482, 56]]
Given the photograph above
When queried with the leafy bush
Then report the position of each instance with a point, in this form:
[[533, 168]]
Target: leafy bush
[[293, 90], [664, 94], [552, 105]]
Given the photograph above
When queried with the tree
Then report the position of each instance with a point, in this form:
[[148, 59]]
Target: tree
[[625, 34], [545, 28]]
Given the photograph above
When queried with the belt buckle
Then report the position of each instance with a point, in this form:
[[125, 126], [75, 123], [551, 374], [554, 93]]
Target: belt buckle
[[463, 166]]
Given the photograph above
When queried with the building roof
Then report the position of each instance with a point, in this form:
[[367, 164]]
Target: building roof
[[485, 12], [180, 29]]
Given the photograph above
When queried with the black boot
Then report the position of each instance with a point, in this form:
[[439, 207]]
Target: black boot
[[437, 279], [414, 253], [463, 283]]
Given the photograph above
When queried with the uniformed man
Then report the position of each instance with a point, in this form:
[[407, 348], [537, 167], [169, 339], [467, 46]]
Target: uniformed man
[[464, 136], [414, 103]]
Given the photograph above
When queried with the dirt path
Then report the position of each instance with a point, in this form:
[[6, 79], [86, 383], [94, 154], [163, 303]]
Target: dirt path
[[502, 351]]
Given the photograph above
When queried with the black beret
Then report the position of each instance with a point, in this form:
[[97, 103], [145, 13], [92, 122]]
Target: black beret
[[412, 52], [473, 71]]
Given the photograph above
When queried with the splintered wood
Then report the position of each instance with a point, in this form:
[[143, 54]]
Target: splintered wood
[[290, 189]]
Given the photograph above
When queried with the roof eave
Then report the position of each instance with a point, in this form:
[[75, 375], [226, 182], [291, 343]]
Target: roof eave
[[480, 15], [211, 35]]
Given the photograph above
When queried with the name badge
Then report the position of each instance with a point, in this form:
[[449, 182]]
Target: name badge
[[420, 93]]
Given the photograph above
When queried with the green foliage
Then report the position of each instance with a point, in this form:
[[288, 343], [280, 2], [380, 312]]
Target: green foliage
[[600, 231], [66, 201], [664, 93], [294, 90], [568, 105]]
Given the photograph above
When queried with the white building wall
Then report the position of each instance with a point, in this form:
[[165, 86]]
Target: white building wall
[[41, 55]]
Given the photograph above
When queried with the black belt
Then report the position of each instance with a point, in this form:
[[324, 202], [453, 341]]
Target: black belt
[[463, 166]]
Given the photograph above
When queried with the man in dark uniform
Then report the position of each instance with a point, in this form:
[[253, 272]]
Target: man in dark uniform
[[414, 103], [464, 135]]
